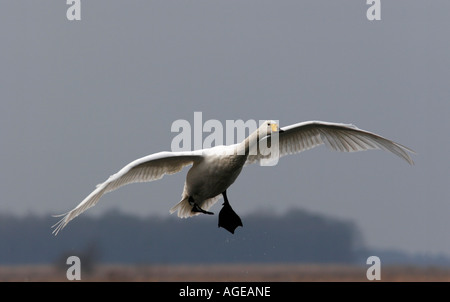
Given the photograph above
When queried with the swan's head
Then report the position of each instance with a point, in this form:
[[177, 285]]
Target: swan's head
[[267, 128]]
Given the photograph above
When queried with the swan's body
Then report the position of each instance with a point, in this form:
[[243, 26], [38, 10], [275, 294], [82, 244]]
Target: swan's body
[[215, 169]]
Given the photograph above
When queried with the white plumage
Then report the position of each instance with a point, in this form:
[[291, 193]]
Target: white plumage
[[215, 169]]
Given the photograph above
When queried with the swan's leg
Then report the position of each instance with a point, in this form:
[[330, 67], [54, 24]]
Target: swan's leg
[[196, 207], [228, 219]]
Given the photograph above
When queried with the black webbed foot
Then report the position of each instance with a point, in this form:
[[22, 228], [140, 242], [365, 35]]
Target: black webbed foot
[[196, 208], [228, 219]]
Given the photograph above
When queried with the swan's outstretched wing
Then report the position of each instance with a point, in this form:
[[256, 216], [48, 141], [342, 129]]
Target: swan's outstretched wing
[[148, 168], [340, 137]]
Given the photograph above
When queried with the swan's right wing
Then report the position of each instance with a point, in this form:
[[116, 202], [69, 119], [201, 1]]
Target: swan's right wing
[[145, 169]]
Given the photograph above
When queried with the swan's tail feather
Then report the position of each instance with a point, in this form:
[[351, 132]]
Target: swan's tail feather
[[184, 209]]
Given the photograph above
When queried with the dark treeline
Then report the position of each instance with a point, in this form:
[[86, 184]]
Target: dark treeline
[[296, 236]]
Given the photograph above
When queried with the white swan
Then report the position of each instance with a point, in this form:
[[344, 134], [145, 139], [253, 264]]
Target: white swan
[[215, 169]]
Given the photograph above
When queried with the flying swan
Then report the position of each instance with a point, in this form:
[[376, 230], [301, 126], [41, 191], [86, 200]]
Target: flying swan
[[215, 169]]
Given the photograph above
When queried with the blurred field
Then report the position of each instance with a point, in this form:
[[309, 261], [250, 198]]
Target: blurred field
[[226, 273]]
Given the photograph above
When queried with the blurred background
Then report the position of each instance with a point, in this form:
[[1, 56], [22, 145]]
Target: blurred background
[[81, 99]]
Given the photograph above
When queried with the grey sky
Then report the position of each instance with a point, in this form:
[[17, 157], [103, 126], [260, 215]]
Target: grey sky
[[81, 99]]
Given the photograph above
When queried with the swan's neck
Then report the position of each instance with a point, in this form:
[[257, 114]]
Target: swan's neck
[[248, 144]]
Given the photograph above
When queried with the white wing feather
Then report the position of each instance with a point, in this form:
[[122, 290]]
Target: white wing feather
[[340, 137], [145, 169]]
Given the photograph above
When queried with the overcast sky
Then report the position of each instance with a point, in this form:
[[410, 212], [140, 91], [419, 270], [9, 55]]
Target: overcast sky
[[81, 99]]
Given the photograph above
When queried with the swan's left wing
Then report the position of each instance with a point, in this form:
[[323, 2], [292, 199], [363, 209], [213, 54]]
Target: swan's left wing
[[148, 168], [340, 137]]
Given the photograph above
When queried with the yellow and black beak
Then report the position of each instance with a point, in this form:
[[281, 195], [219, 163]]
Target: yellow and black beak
[[275, 127]]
